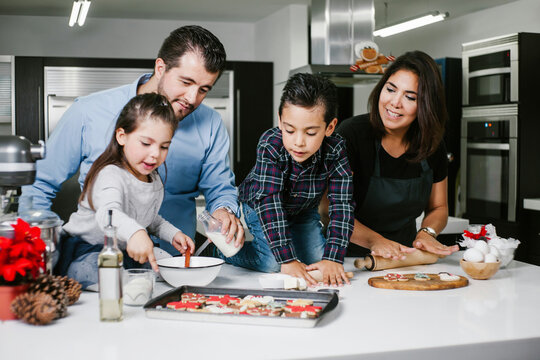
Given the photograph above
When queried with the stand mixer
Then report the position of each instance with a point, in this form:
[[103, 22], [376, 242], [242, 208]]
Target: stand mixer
[[18, 168]]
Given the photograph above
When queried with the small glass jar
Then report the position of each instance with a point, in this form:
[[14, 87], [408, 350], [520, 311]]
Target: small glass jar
[[137, 286]]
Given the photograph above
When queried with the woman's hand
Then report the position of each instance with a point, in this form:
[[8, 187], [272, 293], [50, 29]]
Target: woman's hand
[[333, 272], [390, 249], [297, 269], [183, 243], [230, 226], [427, 243], [141, 249]]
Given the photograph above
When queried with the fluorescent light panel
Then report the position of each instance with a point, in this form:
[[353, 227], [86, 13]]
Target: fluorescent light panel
[[79, 12], [411, 24]]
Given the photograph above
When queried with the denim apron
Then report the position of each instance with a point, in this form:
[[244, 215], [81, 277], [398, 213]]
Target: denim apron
[[391, 205]]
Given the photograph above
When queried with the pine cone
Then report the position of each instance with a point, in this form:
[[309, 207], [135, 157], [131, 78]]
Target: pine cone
[[53, 286], [72, 288], [35, 308]]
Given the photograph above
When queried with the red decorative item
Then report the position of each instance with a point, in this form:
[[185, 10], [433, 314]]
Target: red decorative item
[[7, 295], [21, 261], [21, 258], [481, 234]]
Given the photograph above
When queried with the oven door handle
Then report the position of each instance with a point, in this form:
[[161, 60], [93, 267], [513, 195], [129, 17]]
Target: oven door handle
[[488, 146]]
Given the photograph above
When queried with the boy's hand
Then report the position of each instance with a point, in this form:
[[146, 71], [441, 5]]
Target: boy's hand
[[141, 248], [183, 243], [333, 272], [297, 269]]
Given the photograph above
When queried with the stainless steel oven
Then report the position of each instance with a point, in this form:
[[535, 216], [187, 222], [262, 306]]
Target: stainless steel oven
[[489, 147], [490, 71]]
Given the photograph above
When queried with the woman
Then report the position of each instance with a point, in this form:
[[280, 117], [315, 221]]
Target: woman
[[399, 162]]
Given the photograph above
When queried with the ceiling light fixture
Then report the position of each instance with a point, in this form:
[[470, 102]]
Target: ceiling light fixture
[[79, 12], [406, 25]]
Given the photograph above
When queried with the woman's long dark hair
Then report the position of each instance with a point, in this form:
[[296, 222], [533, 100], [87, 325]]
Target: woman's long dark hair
[[426, 132], [150, 106]]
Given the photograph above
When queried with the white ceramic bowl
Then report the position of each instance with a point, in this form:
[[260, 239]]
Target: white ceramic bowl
[[201, 271]]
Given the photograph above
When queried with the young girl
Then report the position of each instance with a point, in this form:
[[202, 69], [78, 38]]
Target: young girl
[[125, 179]]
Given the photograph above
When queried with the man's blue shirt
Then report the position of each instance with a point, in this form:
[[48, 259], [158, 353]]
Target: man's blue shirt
[[197, 161]]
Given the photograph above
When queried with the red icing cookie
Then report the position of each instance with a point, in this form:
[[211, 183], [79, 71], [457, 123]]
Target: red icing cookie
[[182, 306], [224, 300], [263, 311]]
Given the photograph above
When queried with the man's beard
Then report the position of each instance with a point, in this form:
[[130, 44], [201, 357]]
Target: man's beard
[[180, 116]]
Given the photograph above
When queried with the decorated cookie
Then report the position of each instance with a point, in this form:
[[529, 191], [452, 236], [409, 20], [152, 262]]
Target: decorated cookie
[[421, 277], [304, 312], [193, 297], [299, 302], [222, 299], [263, 311], [251, 301], [183, 306], [395, 277], [217, 309], [444, 276]]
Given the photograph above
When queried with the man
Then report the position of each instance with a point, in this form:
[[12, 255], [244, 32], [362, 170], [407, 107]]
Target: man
[[189, 62]]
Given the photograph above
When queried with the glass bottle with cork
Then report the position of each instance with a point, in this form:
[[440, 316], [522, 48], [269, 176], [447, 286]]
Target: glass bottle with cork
[[110, 262]]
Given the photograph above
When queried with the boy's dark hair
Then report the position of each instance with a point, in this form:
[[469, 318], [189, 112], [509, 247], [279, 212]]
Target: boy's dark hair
[[307, 90], [424, 134], [193, 38], [149, 106]]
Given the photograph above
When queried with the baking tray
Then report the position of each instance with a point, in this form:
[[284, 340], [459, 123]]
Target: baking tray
[[157, 307]]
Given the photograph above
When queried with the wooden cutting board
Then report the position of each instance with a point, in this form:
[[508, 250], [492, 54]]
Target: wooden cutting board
[[435, 283]]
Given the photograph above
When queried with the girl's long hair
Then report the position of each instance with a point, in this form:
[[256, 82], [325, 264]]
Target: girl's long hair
[[426, 132], [150, 106]]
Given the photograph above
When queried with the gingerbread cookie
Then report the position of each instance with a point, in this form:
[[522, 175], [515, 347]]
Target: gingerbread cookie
[[193, 297], [263, 311], [421, 277], [444, 276], [183, 306], [304, 312], [222, 299], [299, 302], [395, 277]]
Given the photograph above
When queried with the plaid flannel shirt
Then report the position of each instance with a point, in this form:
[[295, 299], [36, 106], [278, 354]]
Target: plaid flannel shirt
[[278, 188]]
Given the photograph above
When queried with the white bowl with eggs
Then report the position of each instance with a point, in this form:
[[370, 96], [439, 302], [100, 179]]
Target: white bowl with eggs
[[201, 271]]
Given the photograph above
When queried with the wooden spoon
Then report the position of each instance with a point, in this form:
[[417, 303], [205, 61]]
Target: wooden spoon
[[188, 256]]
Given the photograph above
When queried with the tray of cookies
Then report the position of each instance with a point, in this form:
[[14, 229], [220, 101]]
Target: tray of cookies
[[242, 306]]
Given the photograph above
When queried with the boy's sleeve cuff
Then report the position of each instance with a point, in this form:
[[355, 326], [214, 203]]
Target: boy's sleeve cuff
[[284, 254], [334, 253]]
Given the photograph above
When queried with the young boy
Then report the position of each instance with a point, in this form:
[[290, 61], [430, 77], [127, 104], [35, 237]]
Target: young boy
[[296, 164]]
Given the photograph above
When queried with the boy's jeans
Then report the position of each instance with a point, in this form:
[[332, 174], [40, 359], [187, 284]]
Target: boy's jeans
[[307, 240]]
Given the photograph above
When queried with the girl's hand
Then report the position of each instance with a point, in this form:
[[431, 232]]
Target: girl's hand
[[183, 243], [390, 249], [333, 272], [426, 242], [141, 248], [297, 269]]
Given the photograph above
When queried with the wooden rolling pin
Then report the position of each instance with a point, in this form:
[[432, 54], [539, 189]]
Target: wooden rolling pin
[[317, 275], [418, 257]]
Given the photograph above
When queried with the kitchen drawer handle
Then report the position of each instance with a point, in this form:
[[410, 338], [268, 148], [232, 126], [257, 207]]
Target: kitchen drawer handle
[[488, 146]]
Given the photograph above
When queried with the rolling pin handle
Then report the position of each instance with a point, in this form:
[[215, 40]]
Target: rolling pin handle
[[368, 262]]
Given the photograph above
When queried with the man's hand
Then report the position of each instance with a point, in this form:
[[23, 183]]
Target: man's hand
[[230, 226], [333, 272], [141, 249]]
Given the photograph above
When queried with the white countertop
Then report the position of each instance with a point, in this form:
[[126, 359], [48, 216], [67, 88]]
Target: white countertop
[[490, 319]]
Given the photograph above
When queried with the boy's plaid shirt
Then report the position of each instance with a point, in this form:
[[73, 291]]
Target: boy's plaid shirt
[[278, 188]]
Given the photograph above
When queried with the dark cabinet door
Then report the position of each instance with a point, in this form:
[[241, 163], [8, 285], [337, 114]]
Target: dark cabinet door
[[253, 111], [29, 97]]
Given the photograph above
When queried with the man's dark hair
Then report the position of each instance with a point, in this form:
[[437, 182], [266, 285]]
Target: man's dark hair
[[196, 39], [307, 90]]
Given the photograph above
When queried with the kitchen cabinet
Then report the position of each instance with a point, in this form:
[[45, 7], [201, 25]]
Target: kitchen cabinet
[[529, 249]]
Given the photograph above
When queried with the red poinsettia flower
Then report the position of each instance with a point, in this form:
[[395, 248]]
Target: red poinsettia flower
[[481, 234], [22, 257]]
